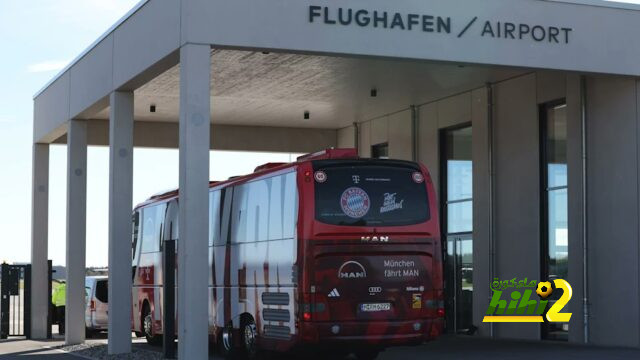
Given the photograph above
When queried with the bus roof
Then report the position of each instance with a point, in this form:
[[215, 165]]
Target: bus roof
[[260, 171]]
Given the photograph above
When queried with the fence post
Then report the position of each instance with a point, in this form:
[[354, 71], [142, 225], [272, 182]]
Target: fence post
[[49, 303], [26, 311], [4, 301]]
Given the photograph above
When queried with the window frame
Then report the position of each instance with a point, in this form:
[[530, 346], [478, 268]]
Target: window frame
[[545, 190], [444, 180], [375, 147]]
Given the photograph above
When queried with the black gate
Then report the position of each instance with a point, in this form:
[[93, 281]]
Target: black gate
[[15, 300]]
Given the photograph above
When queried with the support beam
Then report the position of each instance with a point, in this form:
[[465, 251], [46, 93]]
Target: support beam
[[195, 104], [120, 202], [39, 241], [76, 231]]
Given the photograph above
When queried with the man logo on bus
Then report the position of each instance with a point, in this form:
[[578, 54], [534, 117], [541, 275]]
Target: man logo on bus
[[355, 202], [352, 270]]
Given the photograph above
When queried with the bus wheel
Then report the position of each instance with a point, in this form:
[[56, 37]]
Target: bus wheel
[[147, 327], [227, 347], [367, 354], [249, 338]]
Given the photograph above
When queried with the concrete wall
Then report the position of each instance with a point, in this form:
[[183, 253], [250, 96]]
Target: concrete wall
[[517, 194], [612, 210], [394, 129], [346, 137], [613, 199]]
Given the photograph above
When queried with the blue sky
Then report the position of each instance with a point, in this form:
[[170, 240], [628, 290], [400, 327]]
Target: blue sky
[[38, 39]]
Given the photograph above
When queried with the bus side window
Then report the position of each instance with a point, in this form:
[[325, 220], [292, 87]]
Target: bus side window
[[290, 206], [171, 222], [226, 200], [239, 214], [275, 207], [152, 219], [134, 241], [257, 216], [214, 217]]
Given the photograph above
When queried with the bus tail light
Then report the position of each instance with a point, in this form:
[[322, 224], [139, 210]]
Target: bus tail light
[[314, 308], [92, 305], [306, 316], [307, 307], [441, 312]]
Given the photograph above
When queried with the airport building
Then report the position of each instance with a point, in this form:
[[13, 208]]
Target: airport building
[[525, 112]]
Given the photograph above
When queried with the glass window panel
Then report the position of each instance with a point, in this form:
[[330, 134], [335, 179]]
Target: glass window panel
[[558, 234], [151, 228], [290, 213], [459, 165], [380, 151], [556, 146], [214, 217], [460, 217], [459, 180], [239, 215]]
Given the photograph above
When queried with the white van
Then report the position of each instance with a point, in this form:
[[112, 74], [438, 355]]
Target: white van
[[96, 313]]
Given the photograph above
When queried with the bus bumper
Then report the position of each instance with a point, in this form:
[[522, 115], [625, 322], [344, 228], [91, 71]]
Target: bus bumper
[[381, 333]]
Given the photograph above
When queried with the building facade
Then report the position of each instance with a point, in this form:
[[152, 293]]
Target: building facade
[[524, 111]]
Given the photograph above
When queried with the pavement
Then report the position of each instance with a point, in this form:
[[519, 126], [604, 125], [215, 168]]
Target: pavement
[[447, 347]]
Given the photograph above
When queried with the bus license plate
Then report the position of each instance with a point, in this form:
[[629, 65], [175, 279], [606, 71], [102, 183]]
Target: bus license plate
[[375, 307]]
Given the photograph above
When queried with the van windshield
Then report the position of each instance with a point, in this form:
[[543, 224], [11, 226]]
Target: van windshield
[[370, 193]]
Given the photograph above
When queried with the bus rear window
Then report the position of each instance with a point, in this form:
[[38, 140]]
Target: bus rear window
[[369, 194]]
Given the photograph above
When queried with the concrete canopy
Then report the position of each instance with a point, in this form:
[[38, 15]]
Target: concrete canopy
[[255, 67], [140, 53]]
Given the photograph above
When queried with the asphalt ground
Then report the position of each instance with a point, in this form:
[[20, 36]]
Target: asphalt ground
[[447, 347]]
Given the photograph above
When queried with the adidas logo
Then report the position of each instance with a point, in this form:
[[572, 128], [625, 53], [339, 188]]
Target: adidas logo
[[334, 293]]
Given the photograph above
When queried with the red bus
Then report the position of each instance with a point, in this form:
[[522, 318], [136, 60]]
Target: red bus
[[332, 252]]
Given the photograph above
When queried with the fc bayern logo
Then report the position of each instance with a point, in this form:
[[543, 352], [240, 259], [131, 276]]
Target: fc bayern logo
[[355, 202]]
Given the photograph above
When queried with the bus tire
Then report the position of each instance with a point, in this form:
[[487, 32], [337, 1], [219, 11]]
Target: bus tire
[[249, 336], [368, 354], [227, 342], [147, 326]]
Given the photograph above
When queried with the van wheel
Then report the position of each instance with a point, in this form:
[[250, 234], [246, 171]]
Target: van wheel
[[249, 339], [147, 327], [227, 347]]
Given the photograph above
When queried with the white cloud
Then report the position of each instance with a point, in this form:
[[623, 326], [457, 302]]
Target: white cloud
[[46, 66], [4, 120]]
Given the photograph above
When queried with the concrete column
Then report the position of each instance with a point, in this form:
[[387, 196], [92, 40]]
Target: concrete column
[[76, 231], [195, 103], [39, 241], [120, 205]]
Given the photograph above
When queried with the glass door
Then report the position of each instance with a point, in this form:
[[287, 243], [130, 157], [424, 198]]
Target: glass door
[[457, 225], [460, 276]]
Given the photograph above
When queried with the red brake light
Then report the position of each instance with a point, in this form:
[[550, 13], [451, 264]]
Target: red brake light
[[92, 305], [306, 316], [441, 312]]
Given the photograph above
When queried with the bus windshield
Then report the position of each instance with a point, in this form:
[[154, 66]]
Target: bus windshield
[[370, 193]]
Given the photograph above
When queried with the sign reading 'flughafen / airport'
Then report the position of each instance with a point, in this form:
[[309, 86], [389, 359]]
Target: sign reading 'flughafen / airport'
[[439, 24]]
